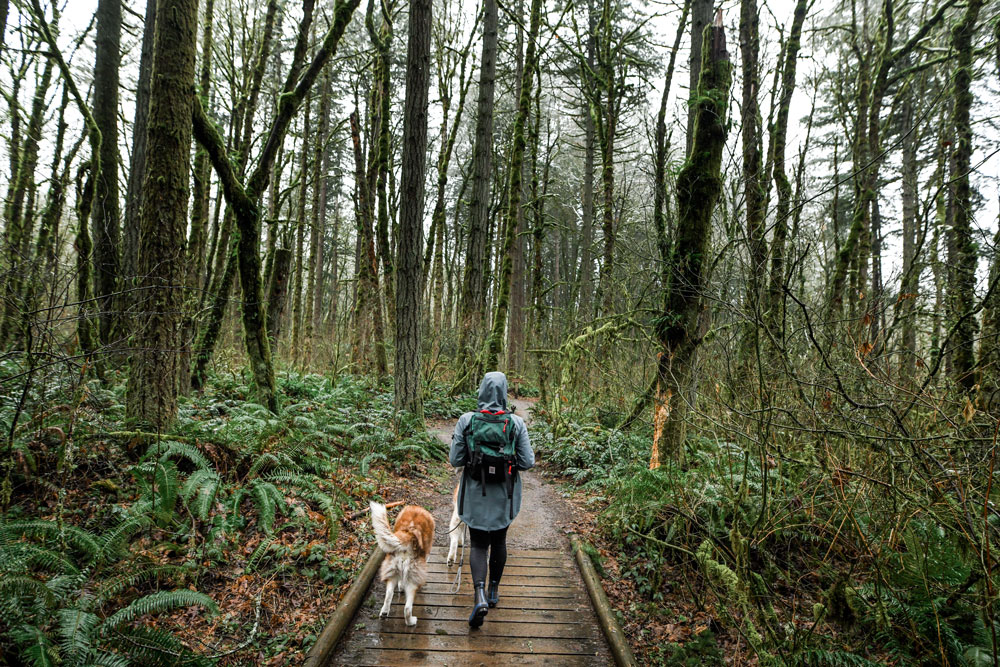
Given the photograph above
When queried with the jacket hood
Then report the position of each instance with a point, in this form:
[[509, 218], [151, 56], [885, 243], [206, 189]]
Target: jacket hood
[[493, 392]]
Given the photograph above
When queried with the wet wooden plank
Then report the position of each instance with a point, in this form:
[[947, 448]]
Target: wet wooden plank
[[513, 589], [398, 658], [532, 602], [478, 641], [512, 561], [509, 572], [492, 628], [513, 580], [500, 613], [544, 618]]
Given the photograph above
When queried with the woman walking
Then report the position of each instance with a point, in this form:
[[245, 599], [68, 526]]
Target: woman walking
[[492, 447]]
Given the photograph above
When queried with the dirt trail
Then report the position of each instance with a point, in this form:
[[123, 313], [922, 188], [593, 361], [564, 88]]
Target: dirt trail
[[544, 514]]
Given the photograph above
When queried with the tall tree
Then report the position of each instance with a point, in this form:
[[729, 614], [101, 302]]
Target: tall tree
[[152, 383], [137, 164], [962, 254], [473, 301], [411, 212], [698, 188], [106, 213], [495, 341]]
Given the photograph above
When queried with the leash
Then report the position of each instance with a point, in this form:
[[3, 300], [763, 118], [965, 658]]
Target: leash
[[461, 561]]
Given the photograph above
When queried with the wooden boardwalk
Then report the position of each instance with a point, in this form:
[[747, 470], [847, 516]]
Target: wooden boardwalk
[[544, 618]]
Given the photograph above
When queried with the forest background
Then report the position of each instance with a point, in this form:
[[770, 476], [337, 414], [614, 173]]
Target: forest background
[[744, 256]]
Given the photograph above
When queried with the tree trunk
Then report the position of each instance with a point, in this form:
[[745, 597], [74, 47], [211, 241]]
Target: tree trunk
[[106, 213], [314, 291], [701, 15], [17, 214], [774, 307], [514, 191], [753, 179], [962, 253], [137, 164], [411, 213], [200, 206], [698, 188], [298, 289], [152, 385], [367, 312], [277, 292], [473, 302]]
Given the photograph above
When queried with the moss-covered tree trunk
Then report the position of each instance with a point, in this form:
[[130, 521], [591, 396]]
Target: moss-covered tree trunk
[[368, 323], [381, 153], [753, 179], [495, 341], [200, 206], [774, 306], [105, 212], [411, 211], [962, 252], [317, 225], [698, 188], [137, 163], [245, 202], [473, 301], [152, 384], [17, 219]]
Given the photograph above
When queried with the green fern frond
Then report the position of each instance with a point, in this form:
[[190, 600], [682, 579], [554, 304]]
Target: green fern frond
[[269, 500], [112, 587], [158, 602], [113, 541], [23, 587], [76, 629], [36, 648], [171, 449], [80, 539], [199, 492], [166, 491], [21, 556]]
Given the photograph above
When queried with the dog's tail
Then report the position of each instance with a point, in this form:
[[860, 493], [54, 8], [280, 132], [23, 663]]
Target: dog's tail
[[387, 541]]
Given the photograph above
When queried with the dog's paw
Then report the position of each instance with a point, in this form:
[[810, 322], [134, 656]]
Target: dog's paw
[[411, 620], [384, 611]]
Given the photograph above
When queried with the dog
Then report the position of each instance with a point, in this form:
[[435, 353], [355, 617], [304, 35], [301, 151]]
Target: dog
[[455, 533], [406, 547]]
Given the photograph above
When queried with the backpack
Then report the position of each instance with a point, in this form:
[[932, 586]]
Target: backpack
[[490, 444]]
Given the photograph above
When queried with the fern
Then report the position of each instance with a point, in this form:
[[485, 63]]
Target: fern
[[80, 539], [268, 500], [75, 628], [171, 449], [158, 602], [35, 645], [200, 491], [367, 461]]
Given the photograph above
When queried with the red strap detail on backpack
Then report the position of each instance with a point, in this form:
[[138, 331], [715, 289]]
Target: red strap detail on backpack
[[495, 414]]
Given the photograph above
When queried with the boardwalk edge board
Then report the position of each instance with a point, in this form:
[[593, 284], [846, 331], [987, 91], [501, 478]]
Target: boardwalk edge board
[[321, 651], [605, 616]]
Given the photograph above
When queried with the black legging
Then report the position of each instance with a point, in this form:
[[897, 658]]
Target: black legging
[[496, 542]]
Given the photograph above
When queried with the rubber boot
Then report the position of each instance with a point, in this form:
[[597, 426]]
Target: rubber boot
[[493, 594], [479, 607]]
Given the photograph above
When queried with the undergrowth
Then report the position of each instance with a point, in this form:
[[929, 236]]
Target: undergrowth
[[786, 559], [105, 528]]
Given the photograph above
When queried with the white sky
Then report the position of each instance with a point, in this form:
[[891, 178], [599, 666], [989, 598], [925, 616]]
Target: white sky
[[78, 13]]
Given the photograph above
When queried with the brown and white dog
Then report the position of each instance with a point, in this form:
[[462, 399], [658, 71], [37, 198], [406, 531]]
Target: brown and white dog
[[406, 547], [456, 535]]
